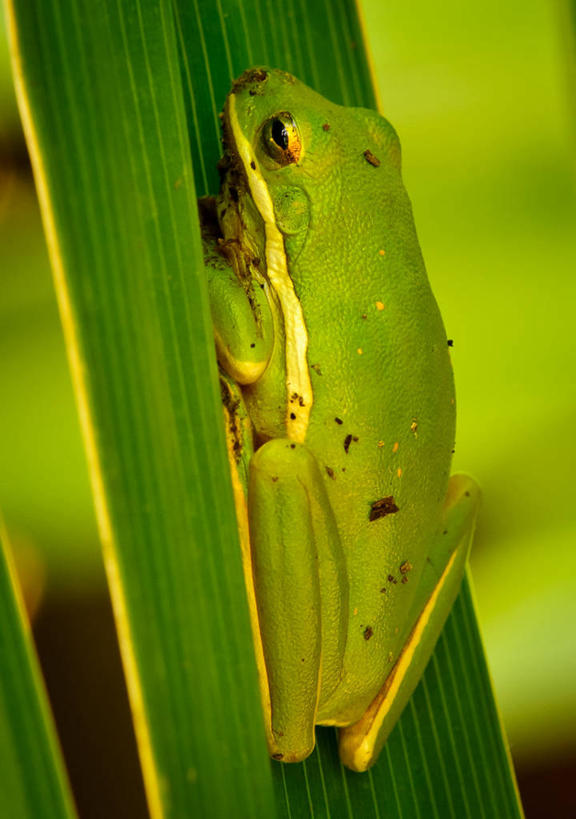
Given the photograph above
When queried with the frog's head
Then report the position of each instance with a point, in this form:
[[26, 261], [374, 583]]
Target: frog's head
[[291, 158], [268, 120]]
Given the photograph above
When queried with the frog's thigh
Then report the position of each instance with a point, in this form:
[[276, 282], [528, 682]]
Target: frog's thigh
[[295, 552], [242, 321], [361, 743]]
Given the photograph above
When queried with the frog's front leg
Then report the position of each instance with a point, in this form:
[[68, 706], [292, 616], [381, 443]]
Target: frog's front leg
[[361, 743], [300, 587], [242, 320]]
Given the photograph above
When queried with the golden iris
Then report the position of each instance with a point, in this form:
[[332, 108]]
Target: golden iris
[[281, 139]]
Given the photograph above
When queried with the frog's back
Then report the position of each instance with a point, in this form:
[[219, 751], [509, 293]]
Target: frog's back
[[382, 419]]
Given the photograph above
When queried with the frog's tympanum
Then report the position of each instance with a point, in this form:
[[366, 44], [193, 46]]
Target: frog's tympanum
[[339, 403]]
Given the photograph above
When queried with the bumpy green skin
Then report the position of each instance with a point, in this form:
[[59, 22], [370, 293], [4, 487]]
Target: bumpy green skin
[[382, 420]]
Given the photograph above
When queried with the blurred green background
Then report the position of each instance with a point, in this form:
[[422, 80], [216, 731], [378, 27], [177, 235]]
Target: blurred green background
[[483, 99]]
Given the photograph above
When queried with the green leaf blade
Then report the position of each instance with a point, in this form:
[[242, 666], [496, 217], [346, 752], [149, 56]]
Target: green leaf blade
[[32, 775], [112, 158]]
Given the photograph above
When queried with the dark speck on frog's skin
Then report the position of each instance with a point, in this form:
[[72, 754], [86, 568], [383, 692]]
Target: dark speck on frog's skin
[[370, 158], [348, 440], [383, 507]]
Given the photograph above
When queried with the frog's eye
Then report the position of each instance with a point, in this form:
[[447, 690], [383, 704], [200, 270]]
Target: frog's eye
[[281, 140]]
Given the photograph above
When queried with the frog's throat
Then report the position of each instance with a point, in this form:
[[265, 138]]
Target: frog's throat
[[298, 385]]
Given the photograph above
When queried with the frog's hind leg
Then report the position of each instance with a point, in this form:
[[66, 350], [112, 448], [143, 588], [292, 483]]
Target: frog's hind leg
[[361, 742], [298, 573]]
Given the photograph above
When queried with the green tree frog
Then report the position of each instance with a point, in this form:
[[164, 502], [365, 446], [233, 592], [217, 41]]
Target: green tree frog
[[339, 403]]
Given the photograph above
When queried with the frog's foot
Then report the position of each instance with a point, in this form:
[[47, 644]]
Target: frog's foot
[[361, 742], [298, 571]]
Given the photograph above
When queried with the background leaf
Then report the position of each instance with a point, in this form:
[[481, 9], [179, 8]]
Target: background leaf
[[32, 778]]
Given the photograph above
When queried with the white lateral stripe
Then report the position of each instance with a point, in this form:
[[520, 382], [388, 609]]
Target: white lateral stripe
[[297, 372]]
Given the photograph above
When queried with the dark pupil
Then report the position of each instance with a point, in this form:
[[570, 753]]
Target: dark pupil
[[280, 134]]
